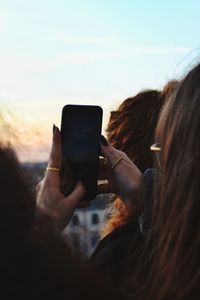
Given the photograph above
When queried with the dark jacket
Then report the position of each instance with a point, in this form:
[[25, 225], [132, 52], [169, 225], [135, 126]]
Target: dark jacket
[[120, 250]]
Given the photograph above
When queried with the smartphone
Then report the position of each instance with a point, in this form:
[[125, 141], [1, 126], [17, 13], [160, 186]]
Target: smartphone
[[80, 135]]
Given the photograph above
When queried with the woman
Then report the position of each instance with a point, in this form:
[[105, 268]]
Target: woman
[[170, 265], [131, 129], [35, 261], [173, 242], [60, 209]]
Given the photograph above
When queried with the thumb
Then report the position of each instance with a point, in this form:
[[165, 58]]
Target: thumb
[[74, 198], [108, 151]]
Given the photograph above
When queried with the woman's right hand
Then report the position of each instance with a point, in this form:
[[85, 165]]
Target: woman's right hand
[[124, 180], [50, 201]]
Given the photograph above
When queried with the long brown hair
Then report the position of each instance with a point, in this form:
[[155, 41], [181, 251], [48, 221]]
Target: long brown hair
[[131, 129], [174, 237]]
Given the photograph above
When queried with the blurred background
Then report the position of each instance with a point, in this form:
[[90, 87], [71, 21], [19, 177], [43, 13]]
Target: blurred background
[[85, 52]]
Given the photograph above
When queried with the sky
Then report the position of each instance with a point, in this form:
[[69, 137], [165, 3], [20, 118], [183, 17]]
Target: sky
[[86, 52]]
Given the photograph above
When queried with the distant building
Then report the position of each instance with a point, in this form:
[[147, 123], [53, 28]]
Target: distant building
[[84, 228]]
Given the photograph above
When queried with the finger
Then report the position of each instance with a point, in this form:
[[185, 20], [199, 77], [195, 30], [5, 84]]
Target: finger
[[103, 163], [55, 155], [125, 156], [113, 155], [74, 198], [104, 188], [110, 153], [55, 158], [104, 169]]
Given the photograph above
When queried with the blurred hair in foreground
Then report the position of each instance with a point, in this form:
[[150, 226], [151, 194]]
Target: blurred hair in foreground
[[170, 265], [36, 263]]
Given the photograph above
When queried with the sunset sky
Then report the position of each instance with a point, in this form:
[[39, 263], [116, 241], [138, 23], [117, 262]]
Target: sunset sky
[[86, 52]]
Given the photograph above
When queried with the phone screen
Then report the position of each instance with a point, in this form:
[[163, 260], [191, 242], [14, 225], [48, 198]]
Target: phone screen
[[80, 132]]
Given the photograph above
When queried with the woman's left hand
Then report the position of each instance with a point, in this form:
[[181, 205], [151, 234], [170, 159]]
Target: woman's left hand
[[49, 199], [124, 179]]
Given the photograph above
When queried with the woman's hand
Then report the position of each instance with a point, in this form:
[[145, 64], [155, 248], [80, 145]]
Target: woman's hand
[[124, 179], [49, 198]]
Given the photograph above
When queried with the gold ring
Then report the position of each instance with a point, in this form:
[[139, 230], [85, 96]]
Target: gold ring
[[53, 169], [117, 161]]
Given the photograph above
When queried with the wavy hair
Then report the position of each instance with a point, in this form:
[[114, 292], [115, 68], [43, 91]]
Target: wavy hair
[[131, 129]]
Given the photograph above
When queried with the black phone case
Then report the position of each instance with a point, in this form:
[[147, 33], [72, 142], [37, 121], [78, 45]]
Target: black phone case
[[80, 134]]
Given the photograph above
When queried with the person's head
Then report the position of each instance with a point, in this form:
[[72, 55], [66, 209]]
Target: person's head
[[174, 234], [17, 205], [131, 129]]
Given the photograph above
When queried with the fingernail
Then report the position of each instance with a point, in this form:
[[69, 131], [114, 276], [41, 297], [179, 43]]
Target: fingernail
[[103, 141], [54, 128]]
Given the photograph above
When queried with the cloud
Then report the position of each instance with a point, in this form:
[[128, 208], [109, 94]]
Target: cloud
[[110, 39], [92, 40], [3, 19], [79, 58], [17, 64], [119, 54], [160, 50]]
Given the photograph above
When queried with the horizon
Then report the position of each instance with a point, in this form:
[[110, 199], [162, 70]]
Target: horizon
[[85, 52]]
